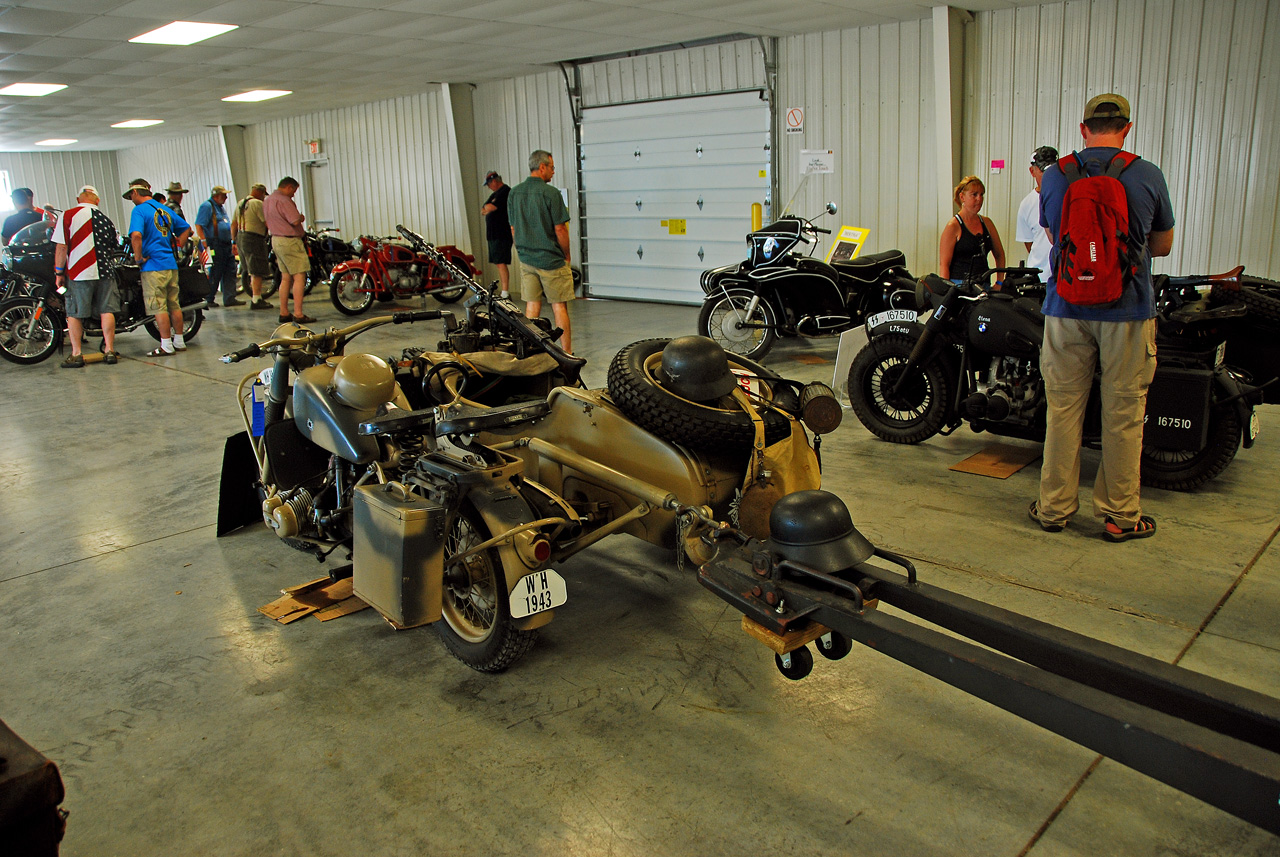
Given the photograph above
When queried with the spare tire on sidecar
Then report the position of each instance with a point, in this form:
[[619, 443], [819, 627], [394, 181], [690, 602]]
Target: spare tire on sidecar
[[640, 387]]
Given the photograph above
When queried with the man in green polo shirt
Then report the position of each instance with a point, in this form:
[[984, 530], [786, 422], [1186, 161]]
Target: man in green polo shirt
[[540, 230]]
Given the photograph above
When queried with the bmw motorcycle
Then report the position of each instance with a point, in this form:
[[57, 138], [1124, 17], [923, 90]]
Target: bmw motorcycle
[[456, 514], [780, 291], [977, 360]]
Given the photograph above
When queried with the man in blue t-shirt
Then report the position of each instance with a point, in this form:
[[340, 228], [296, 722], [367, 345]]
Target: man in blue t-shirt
[[1120, 338], [154, 230], [213, 226], [540, 230]]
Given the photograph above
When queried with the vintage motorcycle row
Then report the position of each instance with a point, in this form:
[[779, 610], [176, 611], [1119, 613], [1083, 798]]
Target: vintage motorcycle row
[[458, 479]]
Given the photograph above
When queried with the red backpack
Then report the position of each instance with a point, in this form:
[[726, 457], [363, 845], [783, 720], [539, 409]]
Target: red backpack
[[1096, 257]]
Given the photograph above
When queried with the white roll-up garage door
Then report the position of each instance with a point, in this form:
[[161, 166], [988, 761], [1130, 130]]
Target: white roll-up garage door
[[668, 190]]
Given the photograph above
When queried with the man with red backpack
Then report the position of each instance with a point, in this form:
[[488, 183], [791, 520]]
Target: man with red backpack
[[1108, 213]]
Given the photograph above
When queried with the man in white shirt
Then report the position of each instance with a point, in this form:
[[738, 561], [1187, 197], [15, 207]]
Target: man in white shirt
[[1029, 231]]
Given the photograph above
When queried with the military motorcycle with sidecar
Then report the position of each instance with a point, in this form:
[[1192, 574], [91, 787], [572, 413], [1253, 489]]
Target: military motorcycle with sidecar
[[457, 514]]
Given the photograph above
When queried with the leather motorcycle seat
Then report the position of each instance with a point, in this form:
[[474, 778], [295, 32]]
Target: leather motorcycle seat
[[872, 266]]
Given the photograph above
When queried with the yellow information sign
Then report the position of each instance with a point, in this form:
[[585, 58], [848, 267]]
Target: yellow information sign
[[675, 227], [847, 244]]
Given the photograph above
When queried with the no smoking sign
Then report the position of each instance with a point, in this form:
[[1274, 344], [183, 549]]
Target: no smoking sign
[[795, 120]]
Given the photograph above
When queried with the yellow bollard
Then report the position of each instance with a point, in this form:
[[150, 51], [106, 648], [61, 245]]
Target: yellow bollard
[[757, 216]]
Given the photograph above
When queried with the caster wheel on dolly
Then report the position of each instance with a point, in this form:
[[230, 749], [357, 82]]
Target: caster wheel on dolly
[[795, 665]]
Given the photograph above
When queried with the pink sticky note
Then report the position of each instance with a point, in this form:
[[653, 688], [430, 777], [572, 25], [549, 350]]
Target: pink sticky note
[[998, 165]]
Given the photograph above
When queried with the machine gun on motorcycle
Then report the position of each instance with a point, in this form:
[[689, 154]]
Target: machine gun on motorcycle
[[779, 291], [976, 359], [456, 514]]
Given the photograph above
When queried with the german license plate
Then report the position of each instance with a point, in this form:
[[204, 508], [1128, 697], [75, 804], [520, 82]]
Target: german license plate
[[890, 315], [537, 592], [1255, 426]]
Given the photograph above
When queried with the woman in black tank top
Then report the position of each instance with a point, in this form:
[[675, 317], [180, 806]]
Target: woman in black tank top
[[969, 237]]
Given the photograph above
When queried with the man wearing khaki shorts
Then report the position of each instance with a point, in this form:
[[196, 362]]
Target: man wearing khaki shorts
[[154, 230], [540, 229], [284, 222]]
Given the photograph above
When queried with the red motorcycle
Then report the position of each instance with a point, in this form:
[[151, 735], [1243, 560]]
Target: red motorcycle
[[388, 269]]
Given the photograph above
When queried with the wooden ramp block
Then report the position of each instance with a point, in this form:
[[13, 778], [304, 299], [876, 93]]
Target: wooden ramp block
[[999, 460]]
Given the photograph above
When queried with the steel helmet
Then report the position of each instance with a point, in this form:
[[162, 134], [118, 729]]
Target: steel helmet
[[814, 528], [363, 381], [696, 368]]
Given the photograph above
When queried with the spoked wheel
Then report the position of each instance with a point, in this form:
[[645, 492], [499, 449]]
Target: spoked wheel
[[723, 316], [29, 330], [916, 410], [191, 321], [477, 626], [351, 292], [635, 387], [1181, 470]]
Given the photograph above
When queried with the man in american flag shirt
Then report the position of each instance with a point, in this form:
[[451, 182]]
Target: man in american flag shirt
[[84, 241]]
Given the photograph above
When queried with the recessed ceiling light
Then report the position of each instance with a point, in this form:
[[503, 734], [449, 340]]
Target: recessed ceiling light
[[138, 123], [183, 33], [55, 141], [259, 95], [32, 89]]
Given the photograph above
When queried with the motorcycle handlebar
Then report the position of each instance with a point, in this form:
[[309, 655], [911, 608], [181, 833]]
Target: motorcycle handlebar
[[242, 354]]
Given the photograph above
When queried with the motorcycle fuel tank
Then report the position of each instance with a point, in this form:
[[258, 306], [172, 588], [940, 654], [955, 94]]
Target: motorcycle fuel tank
[[327, 422], [1003, 325]]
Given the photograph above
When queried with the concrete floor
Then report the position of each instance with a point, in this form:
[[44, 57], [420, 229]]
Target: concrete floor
[[644, 722]]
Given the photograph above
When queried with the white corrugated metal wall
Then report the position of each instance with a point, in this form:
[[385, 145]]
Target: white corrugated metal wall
[[393, 162], [198, 162], [702, 70], [867, 94], [1204, 82], [56, 176], [514, 118]]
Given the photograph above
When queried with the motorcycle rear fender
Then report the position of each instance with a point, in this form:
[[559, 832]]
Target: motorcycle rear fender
[[492, 492]]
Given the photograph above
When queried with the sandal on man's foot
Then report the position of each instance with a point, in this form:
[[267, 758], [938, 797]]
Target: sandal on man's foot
[[159, 352], [111, 358], [285, 318], [303, 319], [1146, 526], [1034, 511], [73, 361]]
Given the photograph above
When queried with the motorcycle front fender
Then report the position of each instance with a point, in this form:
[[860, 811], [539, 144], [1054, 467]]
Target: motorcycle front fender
[[352, 265], [911, 329], [710, 281]]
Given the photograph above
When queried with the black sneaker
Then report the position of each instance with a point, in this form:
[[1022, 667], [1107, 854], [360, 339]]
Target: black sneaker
[[233, 302], [259, 303], [210, 304]]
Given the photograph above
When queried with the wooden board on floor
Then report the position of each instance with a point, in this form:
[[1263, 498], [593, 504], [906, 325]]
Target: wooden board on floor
[[328, 599], [999, 460]]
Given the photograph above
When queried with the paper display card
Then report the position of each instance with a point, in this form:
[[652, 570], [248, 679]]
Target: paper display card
[[847, 244]]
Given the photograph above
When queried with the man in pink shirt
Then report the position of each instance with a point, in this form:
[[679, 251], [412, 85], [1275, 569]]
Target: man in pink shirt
[[284, 223]]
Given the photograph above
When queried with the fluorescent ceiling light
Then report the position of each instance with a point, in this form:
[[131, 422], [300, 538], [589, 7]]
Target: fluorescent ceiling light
[[55, 141], [183, 33], [138, 123], [32, 89], [259, 95]]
